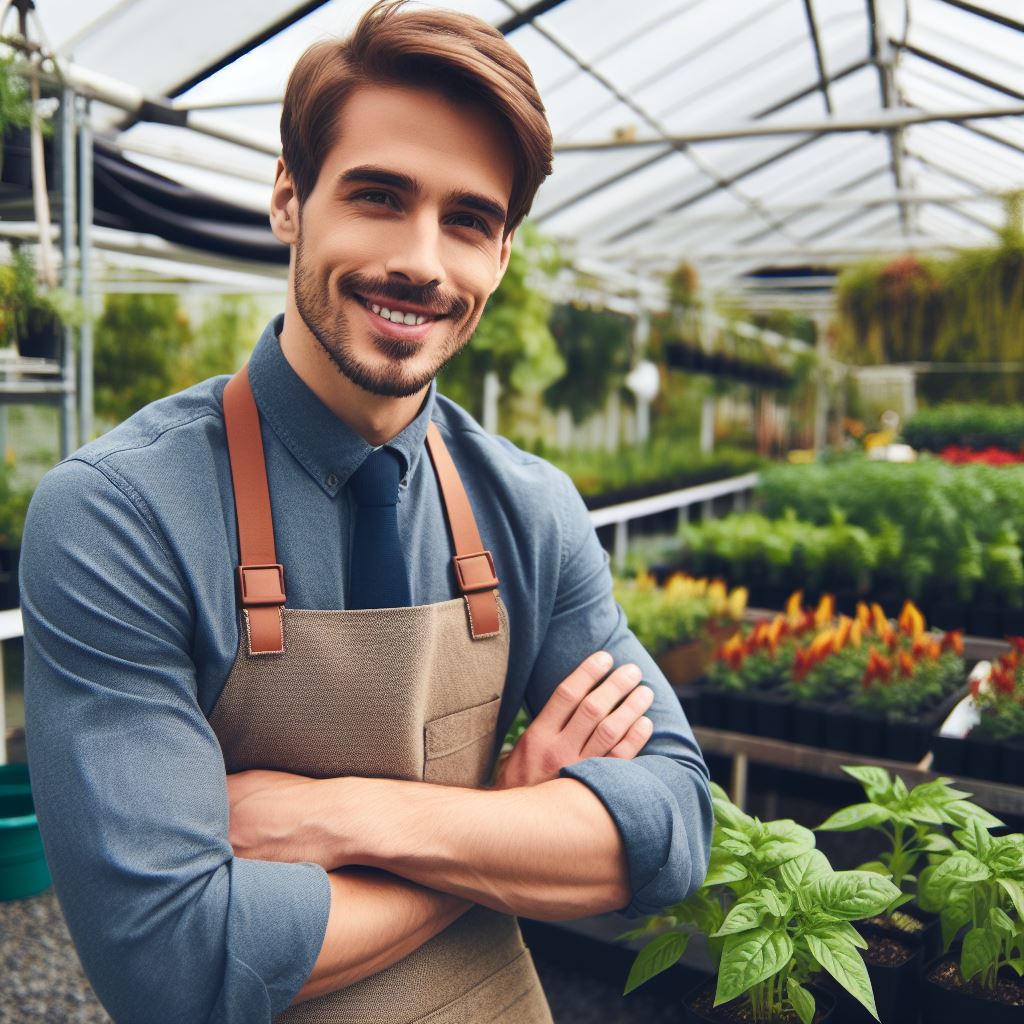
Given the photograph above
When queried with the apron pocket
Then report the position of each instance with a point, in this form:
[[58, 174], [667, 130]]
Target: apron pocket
[[457, 748]]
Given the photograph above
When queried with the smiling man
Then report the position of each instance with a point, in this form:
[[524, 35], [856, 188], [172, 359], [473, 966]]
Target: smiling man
[[277, 625]]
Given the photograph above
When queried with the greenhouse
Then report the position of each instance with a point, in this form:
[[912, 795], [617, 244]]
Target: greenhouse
[[574, 448]]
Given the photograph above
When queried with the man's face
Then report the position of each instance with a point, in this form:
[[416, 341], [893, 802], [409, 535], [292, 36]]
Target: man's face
[[400, 243]]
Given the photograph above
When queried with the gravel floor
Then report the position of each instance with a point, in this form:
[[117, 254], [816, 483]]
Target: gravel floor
[[42, 981]]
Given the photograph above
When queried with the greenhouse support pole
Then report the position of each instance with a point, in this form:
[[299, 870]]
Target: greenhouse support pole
[[67, 242], [85, 215]]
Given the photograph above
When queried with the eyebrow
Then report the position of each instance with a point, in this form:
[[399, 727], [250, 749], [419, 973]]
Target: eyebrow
[[404, 183]]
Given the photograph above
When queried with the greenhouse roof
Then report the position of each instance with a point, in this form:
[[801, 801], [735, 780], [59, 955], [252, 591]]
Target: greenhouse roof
[[734, 134]]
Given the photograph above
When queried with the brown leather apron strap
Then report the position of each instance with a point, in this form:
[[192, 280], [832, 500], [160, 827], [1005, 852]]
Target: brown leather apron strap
[[260, 575], [474, 566]]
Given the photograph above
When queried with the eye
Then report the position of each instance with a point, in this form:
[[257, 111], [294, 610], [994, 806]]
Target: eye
[[376, 197], [471, 220]]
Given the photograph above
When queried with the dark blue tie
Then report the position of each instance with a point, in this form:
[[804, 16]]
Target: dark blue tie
[[378, 578]]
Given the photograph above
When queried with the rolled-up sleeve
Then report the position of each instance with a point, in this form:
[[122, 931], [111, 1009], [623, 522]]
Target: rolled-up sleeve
[[660, 801], [129, 781]]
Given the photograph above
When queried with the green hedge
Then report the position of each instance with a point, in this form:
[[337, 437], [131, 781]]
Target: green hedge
[[967, 426]]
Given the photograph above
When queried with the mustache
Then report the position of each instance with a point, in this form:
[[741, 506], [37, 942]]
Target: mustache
[[430, 296]]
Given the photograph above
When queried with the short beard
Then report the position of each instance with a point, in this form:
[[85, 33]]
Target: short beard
[[333, 331]]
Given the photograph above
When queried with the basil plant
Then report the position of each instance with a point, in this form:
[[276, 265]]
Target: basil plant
[[979, 883], [775, 913], [912, 821]]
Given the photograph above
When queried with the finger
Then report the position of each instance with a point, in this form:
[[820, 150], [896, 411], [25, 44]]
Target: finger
[[614, 728], [634, 740], [598, 704], [566, 697]]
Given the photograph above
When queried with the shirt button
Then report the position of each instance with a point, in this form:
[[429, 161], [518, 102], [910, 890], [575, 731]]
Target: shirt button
[[332, 481]]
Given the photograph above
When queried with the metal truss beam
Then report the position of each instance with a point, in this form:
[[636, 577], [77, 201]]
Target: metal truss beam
[[999, 19], [614, 179], [819, 57], [956, 69], [886, 120]]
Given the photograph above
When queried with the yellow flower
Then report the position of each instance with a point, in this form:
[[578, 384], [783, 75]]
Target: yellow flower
[[826, 611], [737, 602], [911, 621]]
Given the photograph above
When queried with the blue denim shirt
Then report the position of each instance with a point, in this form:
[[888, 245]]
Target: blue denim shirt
[[131, 630]]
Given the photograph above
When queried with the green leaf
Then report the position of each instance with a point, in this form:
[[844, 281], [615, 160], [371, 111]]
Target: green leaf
[[960, 867], [750, 910], [962, 811], [876, 866], [936, 842], [874, 780], [1015, 891], [802, 1000], [736, 847], [956, 912], [844, 963], [718, 793], [980, 950], [854, 817], [728, 815], [839, 931], [930, 897], [722, 871], [1000, 921], [801, 871], [658, 955], [852, 895], [749, 958], [784, 840]]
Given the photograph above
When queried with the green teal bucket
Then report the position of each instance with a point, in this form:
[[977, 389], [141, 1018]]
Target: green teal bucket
[[23, 870]]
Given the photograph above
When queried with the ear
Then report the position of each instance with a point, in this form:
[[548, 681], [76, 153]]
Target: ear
[[506, 252], [284, 206]]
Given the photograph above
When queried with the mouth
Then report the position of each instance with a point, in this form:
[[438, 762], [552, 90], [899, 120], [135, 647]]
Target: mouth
[[399, 314]]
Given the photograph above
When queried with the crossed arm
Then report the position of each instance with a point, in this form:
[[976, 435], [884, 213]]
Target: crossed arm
[[408, 858]]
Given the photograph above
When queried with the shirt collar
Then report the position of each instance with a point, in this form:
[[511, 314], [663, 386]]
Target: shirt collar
[[327, 447]]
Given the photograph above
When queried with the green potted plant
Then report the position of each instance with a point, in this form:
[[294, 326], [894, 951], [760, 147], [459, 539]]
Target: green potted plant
[[976, 885], [34, 319], [912, 825], [775, 915]]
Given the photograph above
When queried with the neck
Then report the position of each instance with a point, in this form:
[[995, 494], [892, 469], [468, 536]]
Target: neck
[[376, 418]]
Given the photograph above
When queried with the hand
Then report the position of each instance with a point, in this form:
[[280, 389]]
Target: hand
[[582, 720], [265, 811]]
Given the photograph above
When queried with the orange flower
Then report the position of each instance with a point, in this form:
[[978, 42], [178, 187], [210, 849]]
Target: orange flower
[[1002, 679], [863, 615], [826, 610], [795, 605], [906, 665], [880, 621], [954, 641], [857, 633], [911, 621], [842, 633]]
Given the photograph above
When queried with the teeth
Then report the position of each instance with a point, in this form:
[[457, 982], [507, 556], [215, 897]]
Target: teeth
[[396, 316]]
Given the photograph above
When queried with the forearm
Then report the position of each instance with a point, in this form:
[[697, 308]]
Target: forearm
[[550, 851], [376, 919]]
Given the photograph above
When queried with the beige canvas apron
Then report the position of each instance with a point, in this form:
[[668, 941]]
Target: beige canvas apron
[[405, 693]]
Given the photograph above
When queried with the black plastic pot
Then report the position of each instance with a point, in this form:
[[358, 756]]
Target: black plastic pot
[[949, 755], [982, 758], [808, 722], [738, 711], [897, 988], [824, 1002], [942, 1005], [44, 338], [712, 707], [1011, 761], [772, 715]]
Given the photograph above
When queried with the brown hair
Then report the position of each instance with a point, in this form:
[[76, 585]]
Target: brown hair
[[458, 54]]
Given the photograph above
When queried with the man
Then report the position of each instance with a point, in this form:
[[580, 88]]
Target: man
[[255, 579]]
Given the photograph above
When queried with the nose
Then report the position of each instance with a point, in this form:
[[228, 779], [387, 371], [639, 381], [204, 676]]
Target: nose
[[416, 256]]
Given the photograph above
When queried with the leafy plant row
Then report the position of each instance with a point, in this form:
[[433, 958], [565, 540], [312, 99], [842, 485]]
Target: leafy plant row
[[965, 425]]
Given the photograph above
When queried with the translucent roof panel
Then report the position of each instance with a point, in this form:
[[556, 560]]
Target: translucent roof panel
[[781, 83]]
